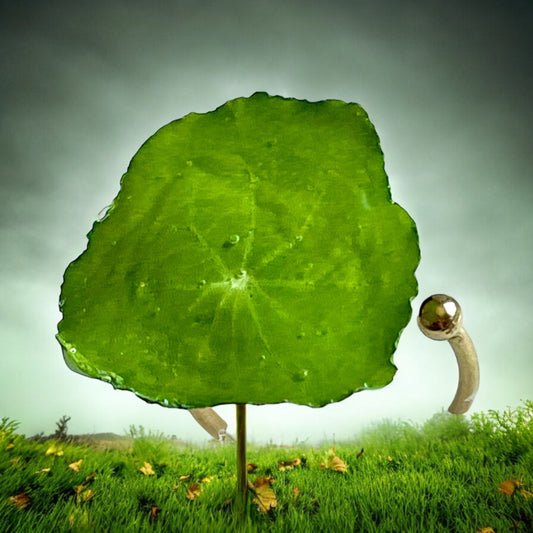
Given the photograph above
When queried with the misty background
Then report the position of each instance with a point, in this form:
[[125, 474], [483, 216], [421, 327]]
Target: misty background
[[448, 87]]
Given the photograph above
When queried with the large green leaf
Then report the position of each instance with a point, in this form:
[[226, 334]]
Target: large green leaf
[[252, 255]]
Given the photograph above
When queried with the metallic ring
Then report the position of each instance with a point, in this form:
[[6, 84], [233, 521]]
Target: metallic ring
[[441, 318]]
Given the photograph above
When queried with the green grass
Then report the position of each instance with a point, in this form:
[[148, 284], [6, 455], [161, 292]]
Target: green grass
[[441, 476]]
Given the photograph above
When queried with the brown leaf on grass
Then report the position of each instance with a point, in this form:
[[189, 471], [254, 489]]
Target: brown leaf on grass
[[76, 465], [509, 486], [485, 530], [79, 489], [44, 471], [193, 491], [208, 479], [182, 478], [360, 454], [336, 464], [250, 467], [154, 511], [265, 497], [333, 462], [289, 465], [147, 469], [20, 500], [296, 493], [514, 486]]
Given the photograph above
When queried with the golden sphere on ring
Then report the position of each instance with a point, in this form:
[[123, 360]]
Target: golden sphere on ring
[[440, 317]]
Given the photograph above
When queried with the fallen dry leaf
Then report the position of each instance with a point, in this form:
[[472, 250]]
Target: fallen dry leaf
[[485, 530], [250, 467], [208, 479], [147, 469], [193, 491], [79, 489], [44, 471], [289, 465], [337, 464], [360, 454], [333, 462], [265, 497], [182, 478], [509, 486], [76, 465], [154, 511], [20, 500]]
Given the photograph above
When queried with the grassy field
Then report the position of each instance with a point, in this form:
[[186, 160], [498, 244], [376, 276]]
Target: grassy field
[[451, 474]]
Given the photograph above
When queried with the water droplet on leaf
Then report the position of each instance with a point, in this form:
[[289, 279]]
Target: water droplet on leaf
[[232, 240], [301, 375]]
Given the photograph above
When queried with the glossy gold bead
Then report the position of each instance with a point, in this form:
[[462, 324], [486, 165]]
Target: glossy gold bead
[[440, 317]]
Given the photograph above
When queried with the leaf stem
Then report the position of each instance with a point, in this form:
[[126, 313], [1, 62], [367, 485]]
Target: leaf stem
[[242, 478]]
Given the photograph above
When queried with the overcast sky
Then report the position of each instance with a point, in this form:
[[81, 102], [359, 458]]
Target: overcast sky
[[448, 86]]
